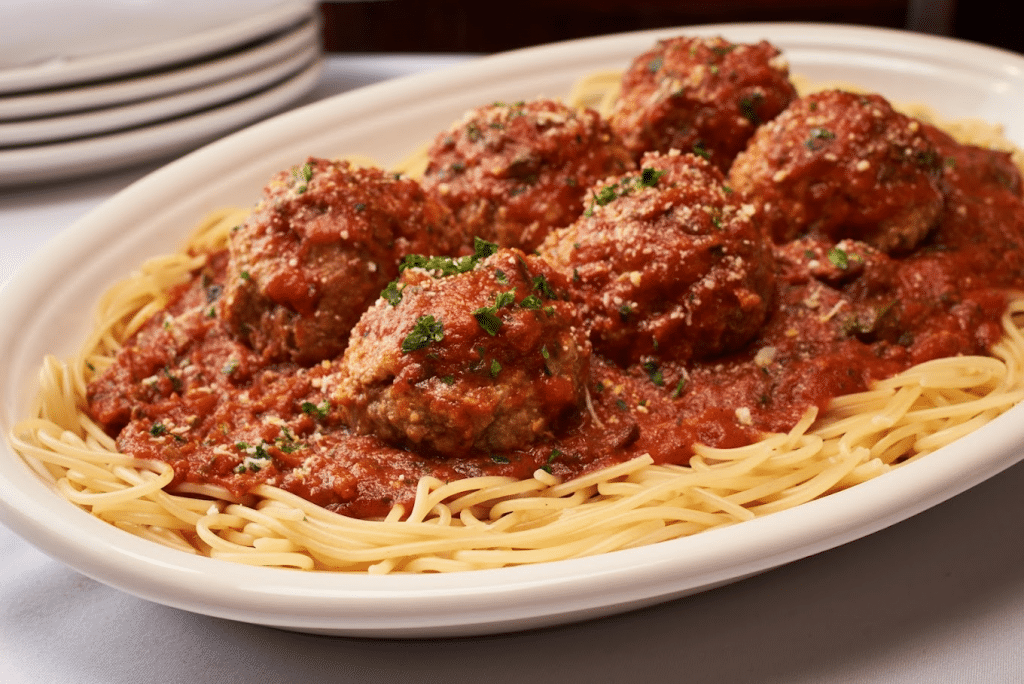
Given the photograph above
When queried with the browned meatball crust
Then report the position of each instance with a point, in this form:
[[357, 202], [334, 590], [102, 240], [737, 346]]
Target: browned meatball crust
[[512, 172], [486, 359], [843, 165], [701, 95], [666, 263], [325, 239]]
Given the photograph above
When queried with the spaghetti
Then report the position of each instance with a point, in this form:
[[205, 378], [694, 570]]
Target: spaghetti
[[495, 521]]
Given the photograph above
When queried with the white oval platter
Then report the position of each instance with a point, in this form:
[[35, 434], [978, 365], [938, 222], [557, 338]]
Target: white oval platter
[[44, 310]]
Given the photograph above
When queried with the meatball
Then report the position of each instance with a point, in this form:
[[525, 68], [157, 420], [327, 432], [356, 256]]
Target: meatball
[[701, 95], [324, 240], [666, 263], [512, 172], [490, 357], [843, 165]]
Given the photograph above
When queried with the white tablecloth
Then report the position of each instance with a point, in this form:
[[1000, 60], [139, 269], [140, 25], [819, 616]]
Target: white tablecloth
[[938, 598]]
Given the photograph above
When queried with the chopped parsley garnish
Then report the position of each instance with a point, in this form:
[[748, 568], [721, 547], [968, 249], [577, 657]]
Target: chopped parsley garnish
[[256, 457], [445, 265], [392, 294], [839, 258], [648, 178], [680, 386], [487, 316], [258, 451], [653, 371], [530, 302], [555, 453], [606, 195], [305, 174], [929, 160], [426, 331], [503, 299], [441, 266], [541, 284], [316, 410], [158, 430], [817, 136], [287, 442], [495, 368], [748, 108], [176, 383], [488, 319]]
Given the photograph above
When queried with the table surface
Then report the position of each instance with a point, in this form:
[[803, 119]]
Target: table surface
[[937, 598]]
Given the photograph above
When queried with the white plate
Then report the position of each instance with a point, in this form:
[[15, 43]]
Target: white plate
[[54, 129], [156, 84], [32, 164], [42, 306], [177, 47]]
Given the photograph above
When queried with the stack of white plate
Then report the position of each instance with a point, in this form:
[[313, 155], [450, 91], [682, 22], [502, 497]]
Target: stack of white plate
[[135, 81]]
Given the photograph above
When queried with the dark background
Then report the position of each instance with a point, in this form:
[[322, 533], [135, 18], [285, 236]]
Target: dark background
[[465, 26]]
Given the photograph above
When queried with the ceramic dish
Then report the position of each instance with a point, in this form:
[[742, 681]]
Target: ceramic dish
[[32, 164], [52, 129], [387, 121], [181, 47], [156, 84]]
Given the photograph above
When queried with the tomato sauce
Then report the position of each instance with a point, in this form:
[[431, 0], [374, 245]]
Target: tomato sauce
[[207, 405], [189, 390]]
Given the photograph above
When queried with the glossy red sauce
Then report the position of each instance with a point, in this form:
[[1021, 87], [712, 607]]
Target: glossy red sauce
[[187, 391]]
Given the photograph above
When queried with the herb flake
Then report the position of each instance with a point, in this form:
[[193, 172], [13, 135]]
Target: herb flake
[[425, 332]]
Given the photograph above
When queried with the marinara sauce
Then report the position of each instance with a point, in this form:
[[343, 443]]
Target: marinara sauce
[[668, 313]]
